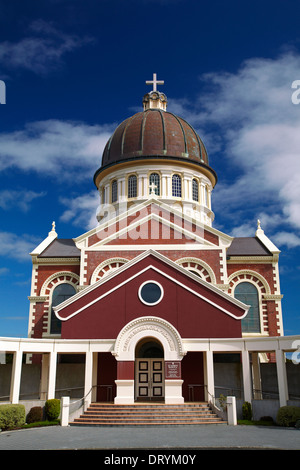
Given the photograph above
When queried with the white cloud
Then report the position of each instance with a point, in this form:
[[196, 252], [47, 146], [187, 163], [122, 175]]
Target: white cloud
[[69, 150], [81, 210], [257, 128], [17, 246], [4, 271], [20, 199], [42, 51], [289, 239]]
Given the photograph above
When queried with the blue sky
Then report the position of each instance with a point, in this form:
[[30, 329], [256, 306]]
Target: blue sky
[[73, 70]]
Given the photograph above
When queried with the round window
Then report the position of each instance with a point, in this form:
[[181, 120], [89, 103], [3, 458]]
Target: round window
[[151, 292]]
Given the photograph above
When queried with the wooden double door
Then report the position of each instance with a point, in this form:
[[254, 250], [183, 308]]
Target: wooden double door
[[149, 379]]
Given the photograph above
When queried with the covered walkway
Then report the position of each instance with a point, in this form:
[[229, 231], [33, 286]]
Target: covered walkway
[[51, 348]]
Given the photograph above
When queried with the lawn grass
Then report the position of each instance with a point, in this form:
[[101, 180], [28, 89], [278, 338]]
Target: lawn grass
[[251, 422], [39, 424]]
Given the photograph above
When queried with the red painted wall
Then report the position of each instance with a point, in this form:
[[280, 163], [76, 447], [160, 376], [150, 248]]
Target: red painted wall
[[193, 317], [192, 374]]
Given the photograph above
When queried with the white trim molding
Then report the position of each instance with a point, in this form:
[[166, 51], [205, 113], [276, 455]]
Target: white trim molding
[[153, 327]]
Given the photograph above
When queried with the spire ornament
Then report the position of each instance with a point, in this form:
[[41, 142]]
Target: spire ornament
[[53, 232]]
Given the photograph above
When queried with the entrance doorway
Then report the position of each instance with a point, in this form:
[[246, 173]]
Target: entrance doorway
[[149, 371]]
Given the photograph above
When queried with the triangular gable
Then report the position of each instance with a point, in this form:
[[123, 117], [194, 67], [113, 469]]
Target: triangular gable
[[150, 229], [166, 221], [125, 274]]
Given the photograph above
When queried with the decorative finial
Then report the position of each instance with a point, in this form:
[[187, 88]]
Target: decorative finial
[[155, 82], [259, 230], [53, 232]]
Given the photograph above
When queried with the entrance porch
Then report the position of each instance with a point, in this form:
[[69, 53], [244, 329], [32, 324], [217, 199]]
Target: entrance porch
[[102, 372]]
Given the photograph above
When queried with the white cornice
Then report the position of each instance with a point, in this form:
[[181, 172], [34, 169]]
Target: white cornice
[[250, 259], [56, 261], [266, 241]]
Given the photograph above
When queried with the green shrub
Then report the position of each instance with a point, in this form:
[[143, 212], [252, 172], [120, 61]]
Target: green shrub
[[222, 401], [52, 408], [35, 415], [12, 416], [267, 418], [247, 410], [288, 415]]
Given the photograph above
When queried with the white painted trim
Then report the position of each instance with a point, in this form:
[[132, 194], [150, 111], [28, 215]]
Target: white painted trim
[[105, 263], [231, 299], [44, 244], [161, 290], [142, 327], [227, 239], [266, 241], [157, 218], [249, 272], [140, 257], [201, 263]]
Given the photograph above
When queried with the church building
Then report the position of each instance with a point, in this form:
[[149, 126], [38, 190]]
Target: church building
[[154, 289]]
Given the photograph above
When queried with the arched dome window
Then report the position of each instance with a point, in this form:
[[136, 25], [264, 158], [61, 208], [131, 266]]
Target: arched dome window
[[114, 191], [176, 186], [195, 190], [247, 293], [132, 186], [60, 293], [154, 179]]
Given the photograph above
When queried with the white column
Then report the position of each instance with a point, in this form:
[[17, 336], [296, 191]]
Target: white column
[[231, 411], [163, 185], [256, 376], [107, 194], [52, 375], [145, 187], [209, 373], [246, 376], [282, 378], [65, 409], [169, 185], [125, 392], [16, 377], [44, 377], [121, 190], [88, 379], [95, 376], [173, 392]]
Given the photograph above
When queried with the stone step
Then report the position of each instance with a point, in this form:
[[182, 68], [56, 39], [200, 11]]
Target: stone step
[[147, 414]]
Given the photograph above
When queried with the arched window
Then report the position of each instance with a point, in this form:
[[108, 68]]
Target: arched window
[[61, 292], [195, 190], [132, 186], [114, 191], [247, 293], [176, 186], [154, 179]]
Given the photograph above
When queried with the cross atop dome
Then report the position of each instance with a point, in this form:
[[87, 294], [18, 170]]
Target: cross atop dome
[[155, 99], [155, 82]]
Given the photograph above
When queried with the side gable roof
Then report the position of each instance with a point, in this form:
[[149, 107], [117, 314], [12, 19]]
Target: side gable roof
[[247, 246], [61, 248]]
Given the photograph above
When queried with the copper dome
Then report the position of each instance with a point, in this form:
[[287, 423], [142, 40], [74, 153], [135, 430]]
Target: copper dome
[[151, 134]]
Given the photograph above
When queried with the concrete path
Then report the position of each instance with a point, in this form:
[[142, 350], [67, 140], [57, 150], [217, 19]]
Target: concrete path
[[166, 438]]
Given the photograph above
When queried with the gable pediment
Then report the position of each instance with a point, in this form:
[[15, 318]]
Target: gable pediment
[[149, 223], [124, 282]]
